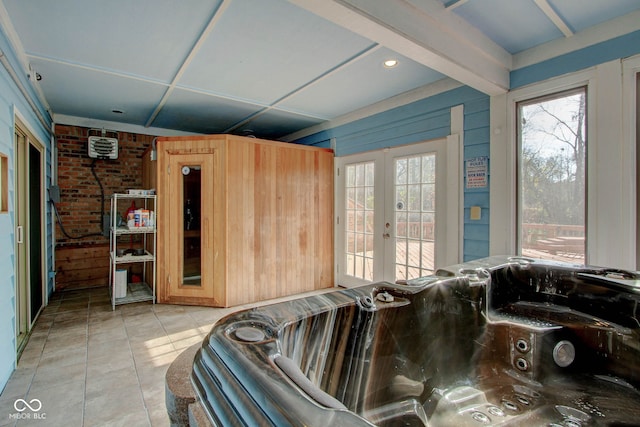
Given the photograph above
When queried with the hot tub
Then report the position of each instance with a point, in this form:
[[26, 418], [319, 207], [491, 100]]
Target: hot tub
[[500, 341]]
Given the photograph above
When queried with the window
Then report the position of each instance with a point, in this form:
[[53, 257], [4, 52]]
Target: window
[[552, 137], [4, 186]]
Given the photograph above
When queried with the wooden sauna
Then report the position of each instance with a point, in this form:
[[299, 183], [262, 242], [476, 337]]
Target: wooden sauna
[[240, 219]]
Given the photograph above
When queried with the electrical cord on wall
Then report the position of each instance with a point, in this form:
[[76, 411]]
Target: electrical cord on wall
[[83, 236], [93, 171], [67, 235]]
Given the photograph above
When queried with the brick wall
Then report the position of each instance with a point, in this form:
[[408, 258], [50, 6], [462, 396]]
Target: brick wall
[[80, 202]]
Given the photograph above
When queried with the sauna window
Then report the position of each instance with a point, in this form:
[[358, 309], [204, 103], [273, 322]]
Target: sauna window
[[192, 242], [552, 139], [4, 185]]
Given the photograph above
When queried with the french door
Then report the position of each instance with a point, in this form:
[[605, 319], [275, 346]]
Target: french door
[[392, 219]]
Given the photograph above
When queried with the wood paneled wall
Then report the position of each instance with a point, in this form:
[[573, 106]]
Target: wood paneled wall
[[82, 267], [280, 217]]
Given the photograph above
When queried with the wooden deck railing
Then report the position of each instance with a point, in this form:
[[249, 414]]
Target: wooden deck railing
[[549, 238], [553, 238]]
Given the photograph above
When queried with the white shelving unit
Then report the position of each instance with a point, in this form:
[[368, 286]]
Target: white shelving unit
[[140, 291]]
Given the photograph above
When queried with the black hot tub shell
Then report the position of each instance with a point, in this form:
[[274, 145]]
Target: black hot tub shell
[[499, 341]]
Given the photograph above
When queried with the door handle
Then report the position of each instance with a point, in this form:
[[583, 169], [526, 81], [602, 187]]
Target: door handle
[[20, 234]]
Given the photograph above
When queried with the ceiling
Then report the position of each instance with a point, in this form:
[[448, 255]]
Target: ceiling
[[276, 67]]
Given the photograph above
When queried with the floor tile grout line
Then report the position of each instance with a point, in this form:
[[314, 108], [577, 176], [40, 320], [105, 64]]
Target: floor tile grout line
[[166, 333], [135, 367], [86, 364]]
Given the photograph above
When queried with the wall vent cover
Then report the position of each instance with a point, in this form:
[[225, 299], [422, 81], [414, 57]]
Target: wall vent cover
[[101, 147]]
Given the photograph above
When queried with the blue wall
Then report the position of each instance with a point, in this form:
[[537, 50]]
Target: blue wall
[[421, 121], [10, 101], [616, 48], [476, 144]]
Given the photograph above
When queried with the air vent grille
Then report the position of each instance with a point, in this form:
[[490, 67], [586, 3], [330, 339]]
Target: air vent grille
[[101, 147]]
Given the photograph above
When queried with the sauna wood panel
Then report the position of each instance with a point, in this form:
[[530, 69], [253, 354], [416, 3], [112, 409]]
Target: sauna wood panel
[[149, 171], [280, 220], [240, 226], [267, 223], [273, 212]]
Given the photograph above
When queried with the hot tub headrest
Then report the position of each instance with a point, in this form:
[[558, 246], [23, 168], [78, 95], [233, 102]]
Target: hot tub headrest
[[291, 369]]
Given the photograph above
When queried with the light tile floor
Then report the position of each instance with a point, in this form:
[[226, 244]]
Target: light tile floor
[[91, 366]]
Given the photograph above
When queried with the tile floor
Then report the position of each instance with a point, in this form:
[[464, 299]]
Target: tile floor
[[91, 366]]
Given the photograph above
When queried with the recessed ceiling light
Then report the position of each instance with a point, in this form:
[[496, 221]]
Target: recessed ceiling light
[[390, 63]]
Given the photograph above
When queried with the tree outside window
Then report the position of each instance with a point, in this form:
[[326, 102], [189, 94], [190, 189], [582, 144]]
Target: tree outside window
[[552, 176]]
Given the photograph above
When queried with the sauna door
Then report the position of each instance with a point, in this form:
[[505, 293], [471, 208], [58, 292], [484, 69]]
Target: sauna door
[[397, 212], [193, 206]]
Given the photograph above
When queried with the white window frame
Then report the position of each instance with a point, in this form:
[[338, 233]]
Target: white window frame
[[610, 164]]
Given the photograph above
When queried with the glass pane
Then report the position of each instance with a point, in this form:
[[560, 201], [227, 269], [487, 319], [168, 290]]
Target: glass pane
[[414, 225], [401, 171], [350, 265], [428, 224], [401, 272], [360, 175], [401, 224], [429, 168], [360, 197], [414, 170], [359, 237], [413, 273], [192, 188], [369, 198], [428, 197], [368, 269], [351, 243], [428, 251], [401, 197], [369, 223], [360, 221], [351, 221], [552, 165], [414, 197], [369, 175], [350, 177]]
